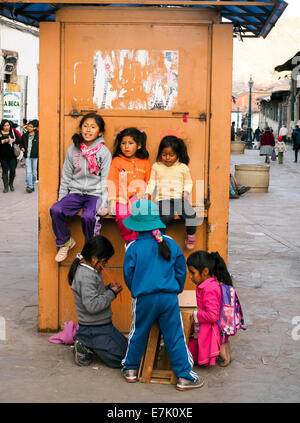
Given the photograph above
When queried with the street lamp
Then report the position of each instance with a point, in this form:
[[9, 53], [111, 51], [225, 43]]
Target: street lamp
[[249, 132]]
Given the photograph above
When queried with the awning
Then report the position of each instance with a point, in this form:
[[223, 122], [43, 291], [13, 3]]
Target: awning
[[250, 18], [290, 64]]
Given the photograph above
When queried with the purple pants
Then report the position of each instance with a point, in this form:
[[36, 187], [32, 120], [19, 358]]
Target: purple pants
[[70, 205]]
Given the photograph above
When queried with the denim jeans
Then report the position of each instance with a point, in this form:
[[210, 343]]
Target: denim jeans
[[31, 171]]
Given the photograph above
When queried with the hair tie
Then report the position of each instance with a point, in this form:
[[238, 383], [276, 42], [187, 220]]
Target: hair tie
[[157, 235], [141, 131], [79, 256]]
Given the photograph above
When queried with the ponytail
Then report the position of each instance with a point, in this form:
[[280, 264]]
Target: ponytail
[[220, 269], [163, 248], [214, 262], [72, 270], [77, 140]]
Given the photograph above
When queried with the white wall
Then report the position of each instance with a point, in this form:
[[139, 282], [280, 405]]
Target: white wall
[[27, 46]]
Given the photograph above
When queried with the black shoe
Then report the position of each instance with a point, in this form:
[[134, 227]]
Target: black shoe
[[295, 161], [82, 354], [5, 190], [11, 187], [29, 190], [243, 189]]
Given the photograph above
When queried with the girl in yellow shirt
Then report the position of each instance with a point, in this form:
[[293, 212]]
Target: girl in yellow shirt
[[170, 185]]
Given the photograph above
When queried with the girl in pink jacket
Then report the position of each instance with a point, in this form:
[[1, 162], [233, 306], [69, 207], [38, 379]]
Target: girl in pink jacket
[[207, 270]]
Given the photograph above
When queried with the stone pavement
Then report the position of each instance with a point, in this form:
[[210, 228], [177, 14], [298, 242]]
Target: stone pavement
[[264, 247]]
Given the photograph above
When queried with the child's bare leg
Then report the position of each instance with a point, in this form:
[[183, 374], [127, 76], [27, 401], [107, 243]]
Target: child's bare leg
[[225, 355], [222, 353]]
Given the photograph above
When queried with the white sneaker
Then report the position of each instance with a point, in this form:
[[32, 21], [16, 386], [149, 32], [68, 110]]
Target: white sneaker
[[130, 375], [63, 251]]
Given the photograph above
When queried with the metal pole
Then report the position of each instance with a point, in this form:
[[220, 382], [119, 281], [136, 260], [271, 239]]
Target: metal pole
[[249, 134]]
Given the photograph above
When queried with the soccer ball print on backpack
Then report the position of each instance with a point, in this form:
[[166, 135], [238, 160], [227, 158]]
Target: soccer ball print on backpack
[[231, 313]]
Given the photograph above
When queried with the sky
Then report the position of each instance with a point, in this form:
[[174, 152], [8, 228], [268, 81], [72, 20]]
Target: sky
[[259, 57], [293, 9]]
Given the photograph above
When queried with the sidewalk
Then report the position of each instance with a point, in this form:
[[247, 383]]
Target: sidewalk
[[264, 257]]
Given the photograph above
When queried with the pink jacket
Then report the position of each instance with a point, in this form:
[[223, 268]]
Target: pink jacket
[[205, 346]]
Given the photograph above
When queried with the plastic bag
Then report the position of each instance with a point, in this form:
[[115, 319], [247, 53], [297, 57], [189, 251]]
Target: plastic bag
[[273, 156]]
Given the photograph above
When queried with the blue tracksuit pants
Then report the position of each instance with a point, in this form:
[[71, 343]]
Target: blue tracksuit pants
[[164, 308]]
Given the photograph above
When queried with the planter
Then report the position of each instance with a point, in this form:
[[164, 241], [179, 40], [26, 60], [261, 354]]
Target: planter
[[255, 176], [237, 147]]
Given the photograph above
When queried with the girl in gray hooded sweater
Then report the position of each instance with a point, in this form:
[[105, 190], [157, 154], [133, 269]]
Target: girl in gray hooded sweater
[[83, 184], [96, 333]]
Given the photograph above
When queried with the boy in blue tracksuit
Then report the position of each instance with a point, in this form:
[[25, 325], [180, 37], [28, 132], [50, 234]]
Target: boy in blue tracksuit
[[155, 271]]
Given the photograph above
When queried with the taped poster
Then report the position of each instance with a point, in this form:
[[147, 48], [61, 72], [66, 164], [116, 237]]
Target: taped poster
[[136, 79]]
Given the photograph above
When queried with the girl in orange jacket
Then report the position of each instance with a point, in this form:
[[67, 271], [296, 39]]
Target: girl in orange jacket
[[128, 176]]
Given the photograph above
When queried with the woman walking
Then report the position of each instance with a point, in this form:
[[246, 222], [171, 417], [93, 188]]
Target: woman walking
[[267, 143], [7, 156]]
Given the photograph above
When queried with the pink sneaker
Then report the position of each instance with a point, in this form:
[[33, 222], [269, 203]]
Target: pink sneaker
[[190, 242], [63, 251]]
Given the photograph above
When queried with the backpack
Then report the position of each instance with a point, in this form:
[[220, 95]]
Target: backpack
[[231, 313]]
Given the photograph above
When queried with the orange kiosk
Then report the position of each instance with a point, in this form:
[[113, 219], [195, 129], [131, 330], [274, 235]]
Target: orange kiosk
[[166, 71]]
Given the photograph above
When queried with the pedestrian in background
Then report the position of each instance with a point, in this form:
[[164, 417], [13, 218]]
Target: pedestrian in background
[[8, 159], [232, 131], [30, 147], [281, 147], [296, 140], [24, 126], [267, 143], [236, 189], [257, 134], [283, 133]]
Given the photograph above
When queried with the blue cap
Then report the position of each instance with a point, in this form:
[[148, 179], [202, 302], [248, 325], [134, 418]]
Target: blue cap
[[144, 217]]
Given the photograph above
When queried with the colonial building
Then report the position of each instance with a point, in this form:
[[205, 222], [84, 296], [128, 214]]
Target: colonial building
[[273, 108], [293, 99]]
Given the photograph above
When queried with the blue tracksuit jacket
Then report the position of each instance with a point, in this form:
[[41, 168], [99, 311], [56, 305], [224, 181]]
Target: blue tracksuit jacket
[[155, 284], [146, 272]]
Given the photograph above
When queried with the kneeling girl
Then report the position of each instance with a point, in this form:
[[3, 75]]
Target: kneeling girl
[[96, 333]]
